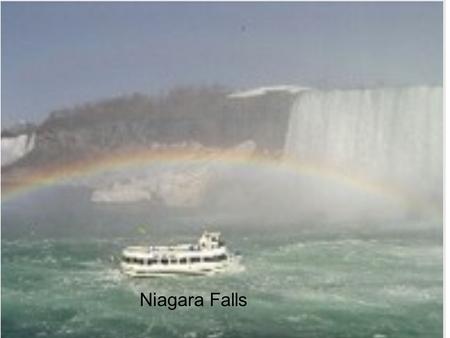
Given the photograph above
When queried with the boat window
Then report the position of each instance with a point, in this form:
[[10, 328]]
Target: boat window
[[173, 260], [138, 261], [215, 258], [151, 261], [125, 259], [195, 259], [164, 261], [183, 260], [221, 257]]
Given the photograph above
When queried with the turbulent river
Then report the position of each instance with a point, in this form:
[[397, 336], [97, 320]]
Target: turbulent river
[[60, 276]]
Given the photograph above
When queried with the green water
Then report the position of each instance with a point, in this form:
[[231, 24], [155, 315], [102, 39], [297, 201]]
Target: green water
[[299, 281]]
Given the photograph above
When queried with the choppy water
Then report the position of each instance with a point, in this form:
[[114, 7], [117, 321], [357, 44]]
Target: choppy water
[[299, 282]]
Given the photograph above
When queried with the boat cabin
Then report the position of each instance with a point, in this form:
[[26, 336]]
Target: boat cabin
[[210, 240]]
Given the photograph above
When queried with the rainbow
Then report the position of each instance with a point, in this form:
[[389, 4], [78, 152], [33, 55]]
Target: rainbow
[[20, 183]]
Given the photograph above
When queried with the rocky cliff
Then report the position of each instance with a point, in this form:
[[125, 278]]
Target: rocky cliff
[[213, 117]]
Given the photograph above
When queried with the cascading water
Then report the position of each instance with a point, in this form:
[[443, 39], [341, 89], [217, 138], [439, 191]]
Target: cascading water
[[391, 135], [14, 148]]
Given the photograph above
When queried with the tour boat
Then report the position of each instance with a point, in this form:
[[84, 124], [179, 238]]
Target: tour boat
[[208, 256]]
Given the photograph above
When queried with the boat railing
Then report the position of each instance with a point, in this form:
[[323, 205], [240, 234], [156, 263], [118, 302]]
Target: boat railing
[[182, 247]]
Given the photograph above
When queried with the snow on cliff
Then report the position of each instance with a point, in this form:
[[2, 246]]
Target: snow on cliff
[[264, 90]]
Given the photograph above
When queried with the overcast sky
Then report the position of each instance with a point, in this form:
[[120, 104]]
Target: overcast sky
[[56, 55]]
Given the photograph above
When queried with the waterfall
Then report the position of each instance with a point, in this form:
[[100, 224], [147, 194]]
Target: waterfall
[[14, 148], [393, 134]]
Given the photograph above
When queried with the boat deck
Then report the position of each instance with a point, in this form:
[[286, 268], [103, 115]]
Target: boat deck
[[163, 249]]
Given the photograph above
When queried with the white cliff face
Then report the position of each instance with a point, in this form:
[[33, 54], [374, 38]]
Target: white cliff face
[[175, 185], [121, 193], [175, 188], [14, 148]]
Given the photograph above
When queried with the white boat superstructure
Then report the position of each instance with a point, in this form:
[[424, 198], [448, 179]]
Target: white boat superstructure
[[208, 256]]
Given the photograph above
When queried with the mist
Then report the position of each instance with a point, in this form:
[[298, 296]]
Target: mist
[[351, 158]]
